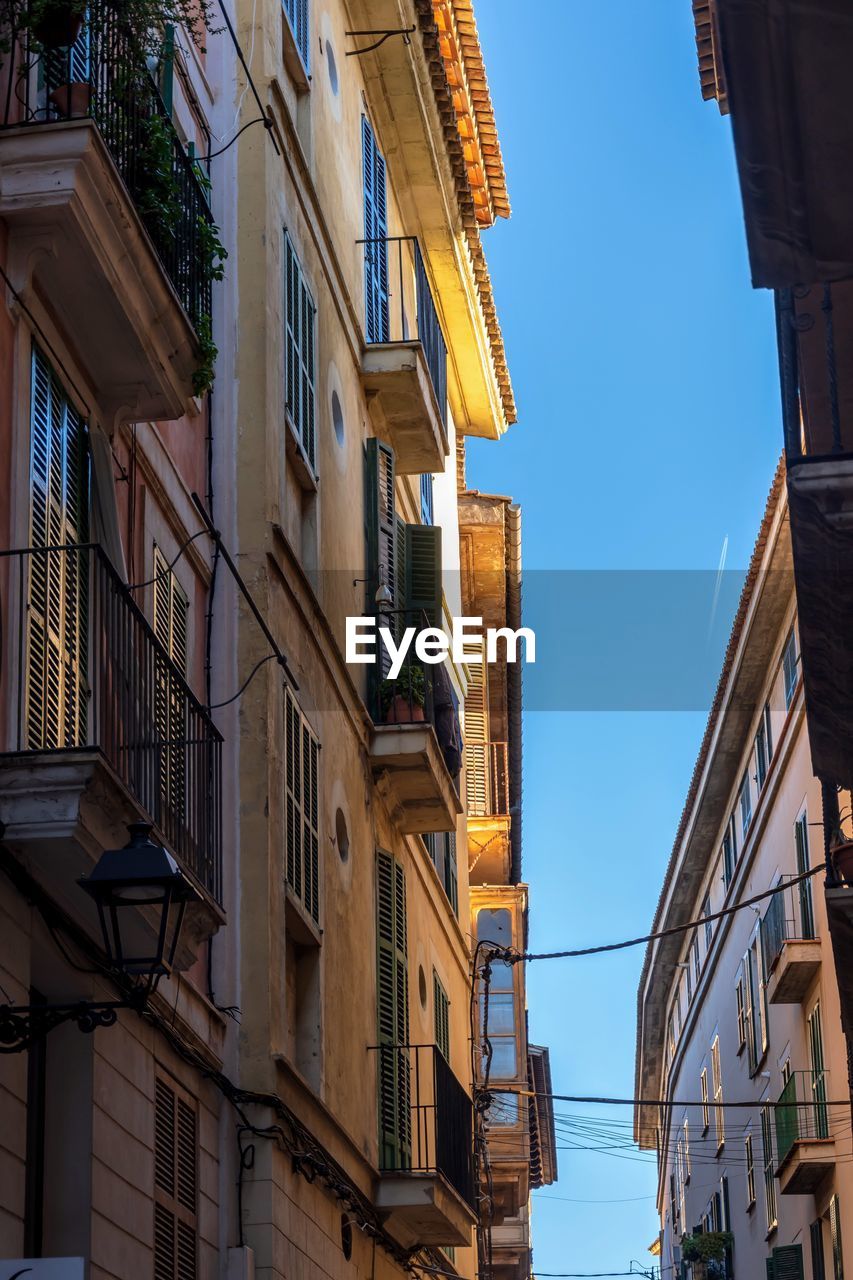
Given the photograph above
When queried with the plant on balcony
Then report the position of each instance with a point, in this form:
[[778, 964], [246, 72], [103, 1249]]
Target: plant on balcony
[[55, 24], [707, 1252], [401, 701]]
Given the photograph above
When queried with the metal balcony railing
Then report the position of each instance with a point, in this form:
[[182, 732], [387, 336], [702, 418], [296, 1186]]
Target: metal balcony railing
[[801, 1112], [400, 305], [486, 779], [814, 326], [97, 78], [427, 1114], [789, 917], [83, 669]]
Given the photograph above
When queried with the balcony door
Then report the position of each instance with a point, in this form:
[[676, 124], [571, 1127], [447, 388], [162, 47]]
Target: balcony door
[[58, 575], [376, 317]]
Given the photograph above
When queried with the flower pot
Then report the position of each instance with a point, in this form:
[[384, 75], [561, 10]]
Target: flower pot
[[400, 711], [842, 861], [72, 100], [58, 27]]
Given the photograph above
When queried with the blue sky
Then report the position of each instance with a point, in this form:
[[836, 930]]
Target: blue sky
[[649, 430]]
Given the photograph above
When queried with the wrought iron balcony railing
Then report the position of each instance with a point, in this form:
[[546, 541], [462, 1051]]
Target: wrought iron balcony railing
[[426, 1119], [801, 1112], [789, 917], [486, 779], [98, 79], [83, 669], [400, 306]]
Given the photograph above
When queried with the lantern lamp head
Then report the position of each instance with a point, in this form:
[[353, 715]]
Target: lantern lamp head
[[141, 877]]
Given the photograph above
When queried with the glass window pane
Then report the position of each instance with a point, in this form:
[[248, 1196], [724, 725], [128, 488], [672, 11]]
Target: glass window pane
[[503, 1109], [501, 1014], [495, 926], [502, 977], [503, 1058]]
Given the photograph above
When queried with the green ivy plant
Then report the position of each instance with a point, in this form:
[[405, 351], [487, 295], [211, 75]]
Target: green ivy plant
[[141, 21]]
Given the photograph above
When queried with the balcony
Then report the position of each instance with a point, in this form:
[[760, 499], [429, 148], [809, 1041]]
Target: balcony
[[108, 219], [814, 327], [805, 1151], [406, 753], [791, 951], [404, 365], [508, 1138], [100, 729], [426, 1188]]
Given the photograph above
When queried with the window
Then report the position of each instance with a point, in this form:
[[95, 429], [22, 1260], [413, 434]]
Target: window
[[495, 925], [392, 998], [816, 1241], [750, 1171], [670, 1039], [763, 748], [426, 498], [786, 1263], [688, 979], [709, 924], [729, 851], [377, 322], [755, 1016], [741, 1002], [717, 1086], [171, 608], [298, 17], [818, 1074], [300, 320], [801, 842], [703, 1093], [441, 1016], [835, 1232], [685, 1150], [745, 801], [441, 846], [302, 825], [694, 958], [57, 655], [790, 668], [767, 1159], [175, 1184]]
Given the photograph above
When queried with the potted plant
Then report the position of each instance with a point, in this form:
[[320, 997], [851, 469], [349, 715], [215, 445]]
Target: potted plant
[[402, 700], [706, 1251], [56, 24]]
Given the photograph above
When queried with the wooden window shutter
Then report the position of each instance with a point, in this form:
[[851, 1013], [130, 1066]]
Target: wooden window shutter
[[302, 807], [423, 573], [392, 1000], [835, 1232], [382, 556], [441, 1016], [300, 323], [788, 1262], [175, 1184], [57, 613], [816, 1241], [477, 737], [377, 328], [771, 1270], [451, 878]]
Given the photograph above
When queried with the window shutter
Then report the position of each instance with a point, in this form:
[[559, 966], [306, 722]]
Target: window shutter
[[835, 1230], [476, 737], [788, 1262], [771, 1270], [300, 322], [380, 527], [441, 1014], [392, 1013], [816, 1239], [451, 880], [57, 633], [302, 807], [377, 327], [175, 1185], [423, 572]]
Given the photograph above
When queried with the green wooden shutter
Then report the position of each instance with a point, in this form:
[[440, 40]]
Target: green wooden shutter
[[380, 529], [377, 328], [302, 816], [801, 839], [423, 572], [57, 613], [835, 1230], [451, 880], [300, 321], [392, 1000], [771, 1270], [788, 1262], [441, 1016], [818, 1261]]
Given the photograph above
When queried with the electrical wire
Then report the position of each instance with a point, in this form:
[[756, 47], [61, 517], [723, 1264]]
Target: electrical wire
[[164, 573], [511, 956]]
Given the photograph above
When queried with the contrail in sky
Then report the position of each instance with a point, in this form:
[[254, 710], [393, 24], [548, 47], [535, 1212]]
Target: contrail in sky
[[720, 570]]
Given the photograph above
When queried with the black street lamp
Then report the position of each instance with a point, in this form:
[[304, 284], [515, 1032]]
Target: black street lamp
[[141, 877]]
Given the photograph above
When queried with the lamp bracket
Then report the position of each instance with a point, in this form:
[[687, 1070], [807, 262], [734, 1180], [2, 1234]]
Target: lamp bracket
[[405, 32], [22, 1025]]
